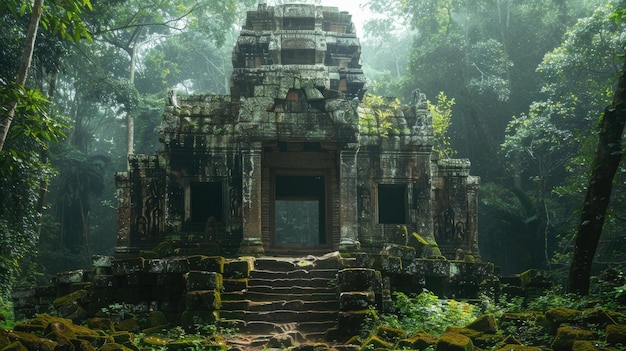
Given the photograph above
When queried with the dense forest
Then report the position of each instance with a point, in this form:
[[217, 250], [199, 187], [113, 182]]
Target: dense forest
[[520, 87]]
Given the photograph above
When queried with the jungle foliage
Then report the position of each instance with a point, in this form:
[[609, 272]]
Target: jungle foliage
[[518, 86]]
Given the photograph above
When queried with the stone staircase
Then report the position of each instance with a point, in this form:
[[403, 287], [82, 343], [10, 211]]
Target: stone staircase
[[292, 300]]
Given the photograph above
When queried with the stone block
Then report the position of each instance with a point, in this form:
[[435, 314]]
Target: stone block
[[177, 265], [203, 300], [237, 269], [356, 300], [406, 253], [191, 318], [450, 341], [203, 280], [616, 334], [235, 284], [101, 261], [352, 322], [105, 281], [206, 263], [566, 335], [156, 265], [358, 279], [77, 276], [127, 265]]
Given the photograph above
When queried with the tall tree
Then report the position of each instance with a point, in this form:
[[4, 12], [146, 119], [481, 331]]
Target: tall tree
[[598, 195], [22, 73]]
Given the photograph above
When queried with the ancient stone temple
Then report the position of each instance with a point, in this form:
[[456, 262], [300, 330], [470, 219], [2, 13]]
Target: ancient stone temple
[[298, 159]]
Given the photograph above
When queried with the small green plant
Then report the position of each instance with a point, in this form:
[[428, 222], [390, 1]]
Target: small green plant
[[429, 313]]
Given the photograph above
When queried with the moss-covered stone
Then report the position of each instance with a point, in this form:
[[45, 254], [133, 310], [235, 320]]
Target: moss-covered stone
[[566, 335], [596, 316], [237, 269], [206, 263], [154, 340], [419, 340], [616, 334], [374, 342], [583, 345], [203, 300], [358, 279], [164, 249], [129, 325], [114, 347], [560, 315], [76, 296], [156, 318], [485, 324], [389, 334], [451, 341], [101, 323], [470, 333], [203, 280], [231, 284], [14, 346], [356, 300], [32, 341], [513, 347], [352, 322]]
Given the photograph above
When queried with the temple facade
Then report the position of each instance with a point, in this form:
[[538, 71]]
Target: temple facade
[[298, 159]]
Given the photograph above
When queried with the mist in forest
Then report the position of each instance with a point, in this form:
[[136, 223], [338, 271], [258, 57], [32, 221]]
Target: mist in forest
[[516, 87]]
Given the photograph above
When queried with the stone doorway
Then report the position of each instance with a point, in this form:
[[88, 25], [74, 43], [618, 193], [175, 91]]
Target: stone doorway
[[299, 211], [298, 187]]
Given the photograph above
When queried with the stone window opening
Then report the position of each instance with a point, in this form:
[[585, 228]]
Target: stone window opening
[[205, 202], [392, 204]]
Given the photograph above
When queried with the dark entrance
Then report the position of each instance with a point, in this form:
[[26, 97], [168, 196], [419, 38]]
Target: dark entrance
[[299, 210]]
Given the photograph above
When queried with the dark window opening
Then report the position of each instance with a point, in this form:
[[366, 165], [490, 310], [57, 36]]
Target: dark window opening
[[206, 201], [300, 210], [299, 23], [392, 204], [298, 56]]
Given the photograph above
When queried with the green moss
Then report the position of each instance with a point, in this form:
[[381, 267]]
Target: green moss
[[34, 342], [616, 334], [519, 348], [375, 342], [560, 315], [484, 324], [14, 346], [390, 334], [114, 347], [566, 335], [163, 249], [450, 341], [69, 298]]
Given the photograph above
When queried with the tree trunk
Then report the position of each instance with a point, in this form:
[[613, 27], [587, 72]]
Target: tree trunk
[[22, 72], [607, 158]]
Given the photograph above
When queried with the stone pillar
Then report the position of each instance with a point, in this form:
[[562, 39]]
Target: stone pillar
[[252, 243], [348, 211], [473, 183], [123, 243]]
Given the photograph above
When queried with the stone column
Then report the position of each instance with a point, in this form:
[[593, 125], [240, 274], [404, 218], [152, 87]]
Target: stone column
[[122, 183], [348, 195], [473, 183], [252, 243]]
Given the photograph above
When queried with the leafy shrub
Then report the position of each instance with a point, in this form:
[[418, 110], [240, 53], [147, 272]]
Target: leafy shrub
[[429, 313]]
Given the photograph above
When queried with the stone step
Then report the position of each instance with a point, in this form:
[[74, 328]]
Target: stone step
[[294, 274], [327, 283], [290, 290], [270, 296], [281, 316], [266, 328], [249, 305]]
